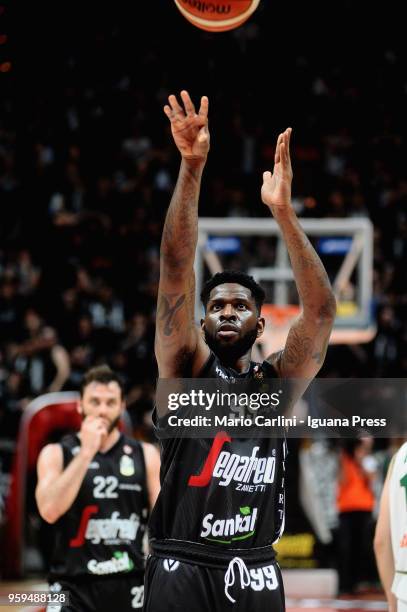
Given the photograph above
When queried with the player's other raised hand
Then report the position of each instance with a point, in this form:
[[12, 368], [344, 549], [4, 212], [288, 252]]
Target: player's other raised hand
[[276, 189]]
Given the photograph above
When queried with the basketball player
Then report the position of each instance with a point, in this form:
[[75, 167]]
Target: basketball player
[[390, 543], [97, 488], [211, 537]]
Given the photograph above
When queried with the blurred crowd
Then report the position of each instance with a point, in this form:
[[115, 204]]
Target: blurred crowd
[[83, 197], [84, 194]]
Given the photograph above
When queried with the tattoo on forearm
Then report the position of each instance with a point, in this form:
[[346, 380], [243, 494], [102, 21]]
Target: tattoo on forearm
[[181, 224], [307, 263], [319, 356], [312, 262], [310, 275], [297, 349], [307, 341], [168, 231], [300, 241], [166, 312], [325, 311]]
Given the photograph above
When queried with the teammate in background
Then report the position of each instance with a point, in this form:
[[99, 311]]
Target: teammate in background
[[97, 487], [221, 504], [390, 542]]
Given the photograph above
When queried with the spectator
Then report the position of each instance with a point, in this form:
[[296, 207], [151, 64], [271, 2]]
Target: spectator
[[137, 348], [355, 505], [39, 358]]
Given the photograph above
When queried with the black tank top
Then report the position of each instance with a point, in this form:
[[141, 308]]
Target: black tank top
[[220, 497], [102, 532]]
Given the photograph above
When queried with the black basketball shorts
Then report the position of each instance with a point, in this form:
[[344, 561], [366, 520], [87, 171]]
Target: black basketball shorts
[[172, 586]]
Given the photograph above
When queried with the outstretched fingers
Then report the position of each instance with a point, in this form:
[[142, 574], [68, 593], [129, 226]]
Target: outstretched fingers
[[285, 148], [175, 111], [173, 108], [175, 105], [282, 153], [277, 152], [204, 107], [168, 111], [188, 104]]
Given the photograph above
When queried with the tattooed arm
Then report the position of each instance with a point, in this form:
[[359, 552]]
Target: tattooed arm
[[179, 347], [307, 341]]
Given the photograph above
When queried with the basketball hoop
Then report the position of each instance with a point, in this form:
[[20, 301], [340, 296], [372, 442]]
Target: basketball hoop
[[280, 318], [278, 322], [350, 240]]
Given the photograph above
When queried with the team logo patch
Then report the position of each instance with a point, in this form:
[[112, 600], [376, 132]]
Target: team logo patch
[[170, 565], [108, 531], [126, 466], [243, 472], [120, 562], [225, 531], [127, 449]]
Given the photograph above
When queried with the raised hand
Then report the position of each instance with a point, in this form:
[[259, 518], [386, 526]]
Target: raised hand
[[276, 189], [189, 129]]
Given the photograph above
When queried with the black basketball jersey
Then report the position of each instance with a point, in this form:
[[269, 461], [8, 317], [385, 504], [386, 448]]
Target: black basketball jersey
[[222, 495], [102, 532]]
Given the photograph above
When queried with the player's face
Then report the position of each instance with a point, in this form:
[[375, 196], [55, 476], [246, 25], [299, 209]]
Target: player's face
[[231, 323], [103, 400]]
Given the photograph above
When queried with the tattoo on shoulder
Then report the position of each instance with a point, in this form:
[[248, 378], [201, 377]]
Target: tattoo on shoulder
[[168, 306]]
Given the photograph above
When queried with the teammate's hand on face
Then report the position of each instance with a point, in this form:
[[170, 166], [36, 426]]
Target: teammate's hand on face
[[93, 434], [189, 129], [276, 189]]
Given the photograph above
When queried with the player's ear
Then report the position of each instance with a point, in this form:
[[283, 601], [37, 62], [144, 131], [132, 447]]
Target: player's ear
[[202, 330], [261, 322]]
